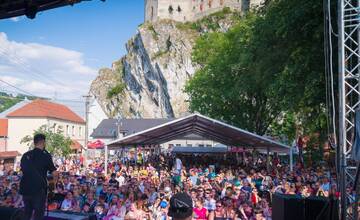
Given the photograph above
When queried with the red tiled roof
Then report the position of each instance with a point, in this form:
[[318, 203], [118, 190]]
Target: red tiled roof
[[3, 127], [43, 108], [75, 145], [9, 154]]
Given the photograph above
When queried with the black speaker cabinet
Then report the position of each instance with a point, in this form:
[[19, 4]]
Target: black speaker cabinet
[[287, 207], [11, 213], [320, 208]]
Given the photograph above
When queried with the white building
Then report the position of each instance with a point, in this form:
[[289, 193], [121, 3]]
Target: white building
[[96, 115], [25, 120]]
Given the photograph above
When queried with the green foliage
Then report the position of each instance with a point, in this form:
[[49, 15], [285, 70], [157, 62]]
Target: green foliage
[[159, 53], [56, 143], [151, 28], [210, 22], [284, 126], [119, 74], [266, 71], [186, 26], [7, 101], [116, 90]]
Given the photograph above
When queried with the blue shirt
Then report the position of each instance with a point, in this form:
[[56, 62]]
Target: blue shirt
[[193, 179]]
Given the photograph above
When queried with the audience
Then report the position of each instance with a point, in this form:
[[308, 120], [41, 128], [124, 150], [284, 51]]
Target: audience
[[183, 187]]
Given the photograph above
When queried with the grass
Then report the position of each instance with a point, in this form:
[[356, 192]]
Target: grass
[[160, 53], [151, 28]]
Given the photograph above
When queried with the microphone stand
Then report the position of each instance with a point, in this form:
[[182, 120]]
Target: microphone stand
[[47, 203]]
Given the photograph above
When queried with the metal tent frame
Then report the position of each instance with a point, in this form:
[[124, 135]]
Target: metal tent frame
[[205, 127], [202, 126]]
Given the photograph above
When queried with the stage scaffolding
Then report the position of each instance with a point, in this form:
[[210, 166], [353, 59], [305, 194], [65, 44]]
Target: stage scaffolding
[[349, 102]]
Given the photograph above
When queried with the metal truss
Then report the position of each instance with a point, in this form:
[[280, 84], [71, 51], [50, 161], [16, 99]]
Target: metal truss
[[349, 101]]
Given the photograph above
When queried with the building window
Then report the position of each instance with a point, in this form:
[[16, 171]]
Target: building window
[[152, 12], [189, 145], [80, 131], [171, 9], [208, 145], [67, 130], [201, 145], [54, 127], [179, 8], [178, 145], [73, 131]]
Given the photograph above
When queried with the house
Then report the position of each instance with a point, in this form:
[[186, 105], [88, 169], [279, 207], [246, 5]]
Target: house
[[3, 134], [29, 117], [111, 129]]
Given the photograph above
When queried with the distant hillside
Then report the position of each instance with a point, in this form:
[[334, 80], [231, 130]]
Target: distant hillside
[[7, 101]]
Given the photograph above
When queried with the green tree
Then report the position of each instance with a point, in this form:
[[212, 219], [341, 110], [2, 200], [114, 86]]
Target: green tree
[[56, 143], [266, 71]]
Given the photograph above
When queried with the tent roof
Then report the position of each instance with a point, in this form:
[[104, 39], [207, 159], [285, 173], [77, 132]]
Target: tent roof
[[203, 126]]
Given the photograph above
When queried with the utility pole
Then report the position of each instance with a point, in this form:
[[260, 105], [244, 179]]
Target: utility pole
[[87, 107]]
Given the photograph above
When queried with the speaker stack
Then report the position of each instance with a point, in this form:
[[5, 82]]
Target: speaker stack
[[7, 213], [285, 207]]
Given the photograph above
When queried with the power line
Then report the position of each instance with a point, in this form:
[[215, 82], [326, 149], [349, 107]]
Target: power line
[[22, 64], [17, 88]]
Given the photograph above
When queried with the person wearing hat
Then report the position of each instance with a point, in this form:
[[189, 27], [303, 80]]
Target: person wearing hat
[[181, 207]]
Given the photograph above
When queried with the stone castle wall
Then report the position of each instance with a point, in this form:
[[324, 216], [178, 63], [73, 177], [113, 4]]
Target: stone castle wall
[[188, 10]]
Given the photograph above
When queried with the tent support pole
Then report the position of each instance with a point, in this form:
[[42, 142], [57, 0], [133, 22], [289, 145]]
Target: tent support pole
[[291, 159], [106, 159], [268, 159]]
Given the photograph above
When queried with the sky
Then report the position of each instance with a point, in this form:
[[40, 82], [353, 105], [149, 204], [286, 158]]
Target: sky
[[59, 53]]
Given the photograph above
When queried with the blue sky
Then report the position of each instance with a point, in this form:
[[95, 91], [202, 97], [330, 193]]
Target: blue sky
[[60, 51], [97, 29]]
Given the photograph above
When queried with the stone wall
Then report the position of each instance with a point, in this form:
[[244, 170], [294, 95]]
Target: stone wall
[[151, 10], [188, 10]]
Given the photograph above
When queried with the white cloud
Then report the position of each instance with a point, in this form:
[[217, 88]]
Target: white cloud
[[16, 19], [44, 70]]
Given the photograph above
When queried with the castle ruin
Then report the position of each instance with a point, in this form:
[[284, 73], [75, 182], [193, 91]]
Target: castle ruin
[[191, 10]]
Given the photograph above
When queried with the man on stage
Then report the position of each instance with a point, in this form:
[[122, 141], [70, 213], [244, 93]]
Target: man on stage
[[33, 185]]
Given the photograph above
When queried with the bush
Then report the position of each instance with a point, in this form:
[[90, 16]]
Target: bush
[[116, 90]]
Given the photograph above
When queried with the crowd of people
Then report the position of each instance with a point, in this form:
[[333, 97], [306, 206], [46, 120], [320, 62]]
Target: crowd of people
[[220, 187]]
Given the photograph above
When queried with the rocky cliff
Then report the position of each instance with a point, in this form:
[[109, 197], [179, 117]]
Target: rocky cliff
[[149, 80]]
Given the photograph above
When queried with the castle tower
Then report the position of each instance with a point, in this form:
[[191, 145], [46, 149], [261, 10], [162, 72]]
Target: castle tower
[[188, 10]]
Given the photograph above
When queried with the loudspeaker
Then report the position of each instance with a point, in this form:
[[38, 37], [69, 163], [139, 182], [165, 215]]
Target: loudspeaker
[[11, 213], [285, 207], [320, 208], [289, 207]]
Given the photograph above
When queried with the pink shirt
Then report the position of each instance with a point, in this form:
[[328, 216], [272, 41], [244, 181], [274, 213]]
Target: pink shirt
[[200, 213]]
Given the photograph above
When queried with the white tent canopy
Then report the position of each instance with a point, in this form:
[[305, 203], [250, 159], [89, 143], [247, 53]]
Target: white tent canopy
[[203, 126]]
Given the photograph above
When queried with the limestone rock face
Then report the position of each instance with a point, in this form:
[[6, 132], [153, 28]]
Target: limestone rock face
[[154, 72]]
